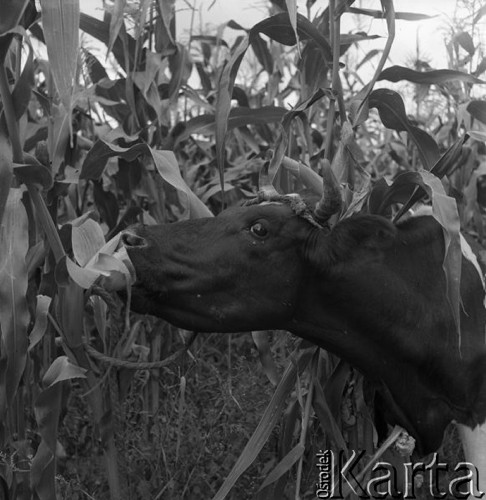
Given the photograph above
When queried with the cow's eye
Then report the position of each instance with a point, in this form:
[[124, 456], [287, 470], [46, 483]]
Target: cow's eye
[[258, 229]]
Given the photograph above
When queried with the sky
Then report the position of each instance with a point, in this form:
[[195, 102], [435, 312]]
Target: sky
[[424, 38], [428, 34]]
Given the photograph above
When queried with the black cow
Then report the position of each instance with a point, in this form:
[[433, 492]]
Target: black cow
[[371, 292]]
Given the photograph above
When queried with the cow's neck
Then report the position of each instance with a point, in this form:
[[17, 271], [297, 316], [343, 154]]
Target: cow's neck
[[384, 330]]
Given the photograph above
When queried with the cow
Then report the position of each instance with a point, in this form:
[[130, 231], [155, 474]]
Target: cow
[[368, 290]]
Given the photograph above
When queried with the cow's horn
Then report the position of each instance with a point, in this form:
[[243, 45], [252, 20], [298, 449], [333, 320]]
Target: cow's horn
[[331, 201], [265, 185]]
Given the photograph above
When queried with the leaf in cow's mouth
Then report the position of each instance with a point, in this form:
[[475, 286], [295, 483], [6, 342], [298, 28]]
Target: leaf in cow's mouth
[[108, 263]]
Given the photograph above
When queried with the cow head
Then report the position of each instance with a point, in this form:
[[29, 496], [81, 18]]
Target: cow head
[[246, 269]]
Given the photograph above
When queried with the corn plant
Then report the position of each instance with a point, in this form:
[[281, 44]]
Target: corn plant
[[145, 128]]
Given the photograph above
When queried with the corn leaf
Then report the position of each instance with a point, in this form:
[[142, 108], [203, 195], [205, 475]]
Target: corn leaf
[[465, 41], [284, 465], [369, 55], [60, 20], [443, 167], [267, 422], [34, 173], [12, 11], [392, 112], [292, 10], [47, 410], [477, 110], [40, 325], [166, 8], [14, 313], [260, 338], [101, 31], [444, 210], [6, 172], [359, 106], [23, 86], [58, 135], [238, 117], [438, 76], [279, 28], [262, 53], [223, 102], [87, 239], [378, 14], [165, 163], [116, 22], [326, 418]]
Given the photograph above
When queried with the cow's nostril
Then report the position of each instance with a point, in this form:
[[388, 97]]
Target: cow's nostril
[[130, 239]]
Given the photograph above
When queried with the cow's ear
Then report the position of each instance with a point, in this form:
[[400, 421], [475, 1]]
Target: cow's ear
[[378, 232], [351, 235], [369, 231]]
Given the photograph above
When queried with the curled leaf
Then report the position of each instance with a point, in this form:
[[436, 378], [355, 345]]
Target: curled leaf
[[439, 76], [279, 28], [87, 239], [466, 42], [392, 112]]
